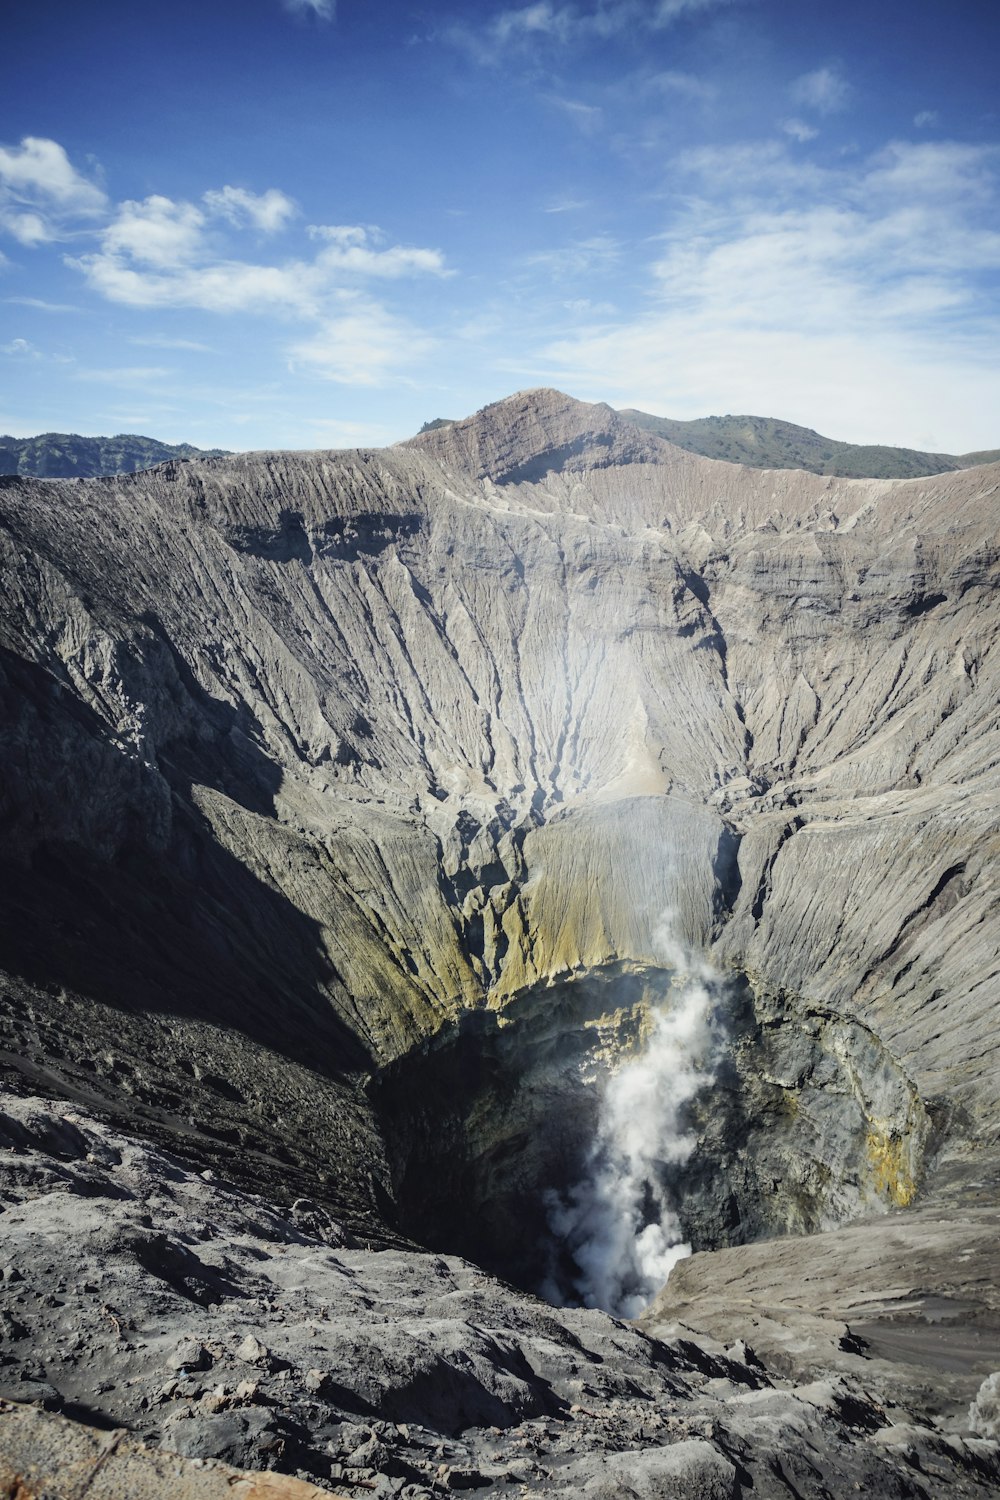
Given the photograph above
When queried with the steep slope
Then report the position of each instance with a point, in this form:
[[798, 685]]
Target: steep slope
[[66, 455], [768, 443]]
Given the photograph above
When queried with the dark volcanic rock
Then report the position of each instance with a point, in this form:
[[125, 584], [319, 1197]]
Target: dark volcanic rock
[[400, 1367]]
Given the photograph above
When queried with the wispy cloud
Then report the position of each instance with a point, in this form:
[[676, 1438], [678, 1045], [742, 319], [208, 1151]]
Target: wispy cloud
[[124, 374], [155, 341], [799, 130], [40, 304], [531, 20], [926, 118], [687, 85], [747, 168], [566, 205], [545, 21], [942, 171], [826, 91], [323, 10], [585, 257], [586, 117]]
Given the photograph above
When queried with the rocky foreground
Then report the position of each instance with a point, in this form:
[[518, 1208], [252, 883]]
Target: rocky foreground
[[362, 813], [140, 1294]]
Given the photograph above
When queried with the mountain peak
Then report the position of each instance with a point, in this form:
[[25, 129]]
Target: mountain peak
[[529, 434]]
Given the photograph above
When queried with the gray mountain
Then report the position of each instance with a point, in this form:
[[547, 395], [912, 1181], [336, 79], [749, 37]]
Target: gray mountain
[[66, 455], [368, 816], [767, 443]]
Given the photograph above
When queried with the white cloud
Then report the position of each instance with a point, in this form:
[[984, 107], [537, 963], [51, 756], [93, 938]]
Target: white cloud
[[156, 232], [268, 212], [40, 166], [361, 343], [351, 247], [751, 166], [666, 12], [582, 307], [223, 286], [28, 229], [799, 130], [17, 346], [40, 190], [943, 170], [926, 118], [157, 253], [856, 296], [544, 17], [826, 91], [164, 254], [323, 10]]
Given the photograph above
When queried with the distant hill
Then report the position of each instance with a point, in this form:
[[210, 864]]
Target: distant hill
[[767, 443], [65, 455]]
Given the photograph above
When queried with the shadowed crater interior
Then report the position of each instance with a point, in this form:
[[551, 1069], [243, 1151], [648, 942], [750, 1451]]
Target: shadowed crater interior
[[803, 1121]]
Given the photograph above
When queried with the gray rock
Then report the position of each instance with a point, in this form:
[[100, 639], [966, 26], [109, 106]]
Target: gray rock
[[246, 1439], [689, 1470], [984, 1413], [190, 1355], [252, 1352]]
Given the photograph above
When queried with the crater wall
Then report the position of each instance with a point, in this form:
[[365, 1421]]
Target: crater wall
[[330, 752]]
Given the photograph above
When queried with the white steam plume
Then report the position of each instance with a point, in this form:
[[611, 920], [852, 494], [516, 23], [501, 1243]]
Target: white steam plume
[[618, 1223]]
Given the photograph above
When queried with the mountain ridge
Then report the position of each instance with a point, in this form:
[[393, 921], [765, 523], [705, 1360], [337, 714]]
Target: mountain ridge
[[67, 455], [757, 442], [771, 443]]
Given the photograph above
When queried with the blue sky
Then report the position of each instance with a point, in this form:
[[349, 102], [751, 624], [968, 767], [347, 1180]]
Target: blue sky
[[301, 223]]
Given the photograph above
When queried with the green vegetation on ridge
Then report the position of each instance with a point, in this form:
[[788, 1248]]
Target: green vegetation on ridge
[[767, 443]]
